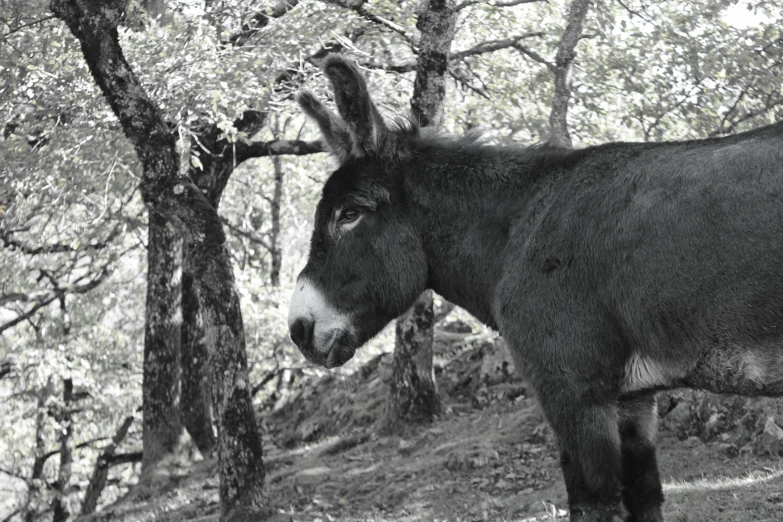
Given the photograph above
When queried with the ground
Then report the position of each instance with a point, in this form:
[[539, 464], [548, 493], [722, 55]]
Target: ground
[[489, 456]]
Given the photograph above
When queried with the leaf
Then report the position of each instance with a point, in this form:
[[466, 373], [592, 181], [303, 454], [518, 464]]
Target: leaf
[[196, 163]]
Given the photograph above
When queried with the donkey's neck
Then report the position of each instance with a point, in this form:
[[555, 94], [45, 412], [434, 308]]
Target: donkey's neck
[[467, 200]]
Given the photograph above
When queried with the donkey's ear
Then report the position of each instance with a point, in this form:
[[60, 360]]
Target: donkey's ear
[[335, 131], [364, 122]]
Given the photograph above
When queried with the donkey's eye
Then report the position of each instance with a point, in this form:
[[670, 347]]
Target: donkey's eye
[[349, 215]]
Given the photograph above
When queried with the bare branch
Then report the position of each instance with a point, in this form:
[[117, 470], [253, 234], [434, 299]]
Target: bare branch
[[55, 248], [278, 148], [634, 13], [493, 45], [770, 104], [535, 56], [358, 6], [247, 235], [55, 294], [28, 24], [511, 3], [465, 82]]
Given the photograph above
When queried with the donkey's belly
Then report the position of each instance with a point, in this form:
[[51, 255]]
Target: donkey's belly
[[754, 370]]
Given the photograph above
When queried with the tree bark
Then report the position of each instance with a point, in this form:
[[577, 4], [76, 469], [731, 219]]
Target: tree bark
[[101, 471], [61, 513], [176, 199], [437, 24], [564, 59], [413, 395], [195, 401], [162, 426]]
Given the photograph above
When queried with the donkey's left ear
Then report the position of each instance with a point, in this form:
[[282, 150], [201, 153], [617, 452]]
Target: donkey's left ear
[[365, 123]]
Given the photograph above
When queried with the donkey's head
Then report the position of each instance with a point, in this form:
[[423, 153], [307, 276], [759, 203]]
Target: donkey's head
[[366, 263]]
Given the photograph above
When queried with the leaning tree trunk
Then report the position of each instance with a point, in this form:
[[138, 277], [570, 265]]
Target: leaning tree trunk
[[195, 405], [101, 471], [413, 396], [162, 426], [167, 194]]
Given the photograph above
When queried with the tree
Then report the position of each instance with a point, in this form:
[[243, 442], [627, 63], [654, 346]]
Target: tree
[[179, 201]]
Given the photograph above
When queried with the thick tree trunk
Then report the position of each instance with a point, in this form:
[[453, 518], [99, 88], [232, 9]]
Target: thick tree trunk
[[177, 199], [101, 471], [195, 392], [413, 396], [558, 117], [162, 426], [61, 513]]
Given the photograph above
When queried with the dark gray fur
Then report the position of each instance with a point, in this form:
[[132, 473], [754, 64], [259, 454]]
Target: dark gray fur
[[612, 271]]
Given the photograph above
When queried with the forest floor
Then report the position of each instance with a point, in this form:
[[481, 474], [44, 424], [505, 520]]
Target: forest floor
[[488, 457]]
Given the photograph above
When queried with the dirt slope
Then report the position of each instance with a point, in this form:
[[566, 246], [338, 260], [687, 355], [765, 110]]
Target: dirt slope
[[489, 457]]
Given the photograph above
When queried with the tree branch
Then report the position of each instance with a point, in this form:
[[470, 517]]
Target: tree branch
[[28, 24], [55, 248], [492, 46], [124, 458], [534, 56], [278, 148], [247, 235], [101, 470], [358, 6], [258, 21], [54, 295], [511, 3]]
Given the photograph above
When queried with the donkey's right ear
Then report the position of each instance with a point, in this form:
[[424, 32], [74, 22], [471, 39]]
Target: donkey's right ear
[[334, 130]]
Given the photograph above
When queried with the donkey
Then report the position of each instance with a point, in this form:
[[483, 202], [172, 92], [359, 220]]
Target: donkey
[[612, 271]]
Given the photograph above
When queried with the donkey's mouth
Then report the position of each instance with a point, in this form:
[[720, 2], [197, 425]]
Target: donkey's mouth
[[340, 349], [338, 356]]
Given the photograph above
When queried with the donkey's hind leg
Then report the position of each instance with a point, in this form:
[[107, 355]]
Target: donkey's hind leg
[[591, 456], [642, 490]]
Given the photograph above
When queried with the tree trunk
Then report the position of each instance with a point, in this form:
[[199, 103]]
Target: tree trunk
[[195, 400], [61, 513], [437, 24], [101, 471], [162, 426], [274, 239], [413, 396], [558, 117], [174, 197]]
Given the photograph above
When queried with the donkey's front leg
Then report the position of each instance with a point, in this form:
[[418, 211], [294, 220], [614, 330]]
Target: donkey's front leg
[[591, 455], [642, 484]]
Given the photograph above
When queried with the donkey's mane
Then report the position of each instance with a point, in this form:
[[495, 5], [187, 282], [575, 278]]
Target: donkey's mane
[[472, 148]]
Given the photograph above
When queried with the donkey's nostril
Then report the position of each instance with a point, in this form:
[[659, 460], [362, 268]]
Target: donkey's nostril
[[301, 331]]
